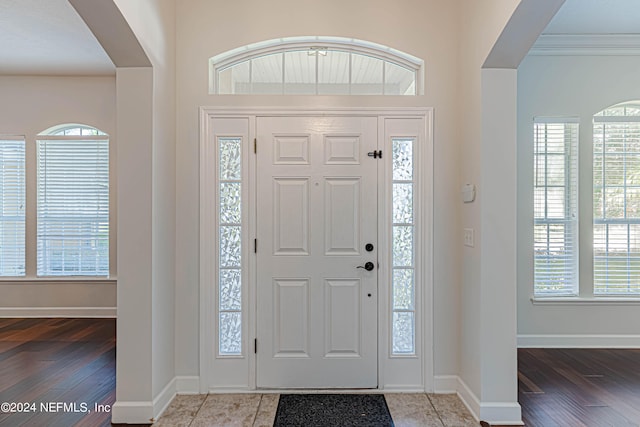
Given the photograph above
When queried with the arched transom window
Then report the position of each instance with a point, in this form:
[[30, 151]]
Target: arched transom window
[[316, 66]]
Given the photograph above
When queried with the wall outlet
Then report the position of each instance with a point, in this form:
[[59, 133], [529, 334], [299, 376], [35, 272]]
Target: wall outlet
[[468, 237]]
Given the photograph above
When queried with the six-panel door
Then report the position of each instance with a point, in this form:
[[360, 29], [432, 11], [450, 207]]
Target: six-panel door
[[316, 213]]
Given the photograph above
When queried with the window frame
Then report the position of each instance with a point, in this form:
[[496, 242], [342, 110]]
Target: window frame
[[571, 216], [31, 196], [389, 55], [603, 219], [585, 285], [23, 178]]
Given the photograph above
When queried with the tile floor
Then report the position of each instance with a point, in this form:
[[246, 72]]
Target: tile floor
[[259, 410]]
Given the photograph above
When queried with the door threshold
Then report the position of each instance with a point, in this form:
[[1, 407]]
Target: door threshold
[[298, 391]]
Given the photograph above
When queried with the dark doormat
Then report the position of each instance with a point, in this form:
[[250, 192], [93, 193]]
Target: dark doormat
[[329, 410]]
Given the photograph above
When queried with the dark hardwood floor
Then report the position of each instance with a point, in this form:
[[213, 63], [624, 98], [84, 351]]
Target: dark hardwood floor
[[579, 387], [72, 361], [57, 361]]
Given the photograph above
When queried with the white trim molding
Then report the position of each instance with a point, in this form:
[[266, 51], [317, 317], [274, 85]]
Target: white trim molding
[[132, 413], [393, 372], [59, 312], [569, 301], [586, 44], [496, 413], [144, 412], [578, 341], [187, 384]]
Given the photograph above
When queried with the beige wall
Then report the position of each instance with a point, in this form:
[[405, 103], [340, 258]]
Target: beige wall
[[426, 29], [29, 106]]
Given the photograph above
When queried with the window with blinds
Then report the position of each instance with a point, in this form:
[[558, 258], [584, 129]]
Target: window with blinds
[[555, 207], [12, 206], [616, 198], [73, 202]]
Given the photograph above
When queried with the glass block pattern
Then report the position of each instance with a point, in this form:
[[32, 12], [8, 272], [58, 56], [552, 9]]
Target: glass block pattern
[[403, 251], [230, 234]]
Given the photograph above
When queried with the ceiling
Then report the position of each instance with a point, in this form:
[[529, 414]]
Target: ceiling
[[596, 17], [48, 36]]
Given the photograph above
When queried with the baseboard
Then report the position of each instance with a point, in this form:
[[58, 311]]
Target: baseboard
[[58, 312], [187, 384], [579, 341], [445, 384], [164, 398], [132, 413], [143, 412], [402, 388], [469, 398], [495, 413]]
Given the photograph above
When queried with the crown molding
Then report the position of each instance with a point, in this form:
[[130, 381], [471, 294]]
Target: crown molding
[[586, 44]]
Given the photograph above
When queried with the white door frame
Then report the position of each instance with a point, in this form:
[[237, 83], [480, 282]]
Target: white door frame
[[238, 373]]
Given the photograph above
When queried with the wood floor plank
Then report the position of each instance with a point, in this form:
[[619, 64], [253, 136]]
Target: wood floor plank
[[57, 360], [579, 387]]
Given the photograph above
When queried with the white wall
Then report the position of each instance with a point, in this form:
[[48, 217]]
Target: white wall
[[153, 22], [568, 86], [481, 24], [29, 106], [424, 28]]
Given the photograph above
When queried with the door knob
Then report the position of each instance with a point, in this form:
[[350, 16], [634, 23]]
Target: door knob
[[367, 266]]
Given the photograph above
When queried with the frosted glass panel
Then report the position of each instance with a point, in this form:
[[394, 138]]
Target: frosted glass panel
[[403, 289], [402, 246], [402, 159], [230, 203], [402, 203], [403, 278], [230, 333], [403, 333], [230, 289], [230, 246], [230, 158]]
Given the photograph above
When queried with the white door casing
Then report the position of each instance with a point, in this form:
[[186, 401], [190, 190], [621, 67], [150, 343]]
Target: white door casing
[[236, 372], [317, 210]]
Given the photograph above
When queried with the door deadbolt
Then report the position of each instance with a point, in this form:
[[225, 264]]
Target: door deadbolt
[[368, 247], [367, 266]]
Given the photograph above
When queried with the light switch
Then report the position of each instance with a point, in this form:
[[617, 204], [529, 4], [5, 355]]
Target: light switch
[[468, 237]]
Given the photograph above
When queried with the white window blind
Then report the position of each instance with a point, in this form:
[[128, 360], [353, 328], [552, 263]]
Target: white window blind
[[616, 197], [555, 207], [12, 206], [73, 204]]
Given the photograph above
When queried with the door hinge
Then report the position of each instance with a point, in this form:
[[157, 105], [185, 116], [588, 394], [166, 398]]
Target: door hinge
[[255, 246], [255, 345], [376, 154], [255, 145]]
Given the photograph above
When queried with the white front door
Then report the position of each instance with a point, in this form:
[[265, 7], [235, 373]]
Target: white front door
[[317, 225]]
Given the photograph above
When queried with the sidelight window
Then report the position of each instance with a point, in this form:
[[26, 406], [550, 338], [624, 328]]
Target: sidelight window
[[230, 246], [403, 256]]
